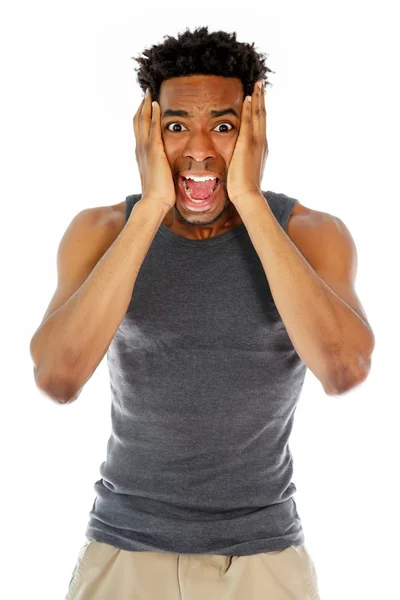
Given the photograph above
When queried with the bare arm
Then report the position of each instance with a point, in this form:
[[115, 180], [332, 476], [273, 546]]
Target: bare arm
[[70, 343], [97, 273]]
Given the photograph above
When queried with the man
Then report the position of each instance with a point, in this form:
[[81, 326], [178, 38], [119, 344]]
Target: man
[[211, 298]]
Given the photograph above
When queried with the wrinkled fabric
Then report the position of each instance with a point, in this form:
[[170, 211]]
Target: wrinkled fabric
[[204, 384], [107, 573]]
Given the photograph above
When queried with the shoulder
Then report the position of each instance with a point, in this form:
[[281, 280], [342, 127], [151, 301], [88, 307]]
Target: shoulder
[[305, 222], [93, 229], [107, 219], [321, 236]]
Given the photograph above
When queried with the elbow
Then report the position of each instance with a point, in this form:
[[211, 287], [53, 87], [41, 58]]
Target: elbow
[[348, 368], [346, 378], [59, 389]]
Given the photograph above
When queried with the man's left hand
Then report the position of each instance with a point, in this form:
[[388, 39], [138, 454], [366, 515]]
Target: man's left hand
[[246, 168]]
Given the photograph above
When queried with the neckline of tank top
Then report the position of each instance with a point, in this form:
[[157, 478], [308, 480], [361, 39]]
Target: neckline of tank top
[[217, 239]]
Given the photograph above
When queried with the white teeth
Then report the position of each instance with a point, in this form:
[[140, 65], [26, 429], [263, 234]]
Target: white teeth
[[204, 178]]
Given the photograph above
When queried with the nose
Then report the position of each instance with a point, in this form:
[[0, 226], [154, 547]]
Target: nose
[[199, 147]]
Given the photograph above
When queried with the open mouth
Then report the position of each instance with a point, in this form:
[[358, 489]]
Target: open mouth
[[201, 203]]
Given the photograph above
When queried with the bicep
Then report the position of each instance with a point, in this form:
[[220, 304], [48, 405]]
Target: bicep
[[328, 246], [80, 248]]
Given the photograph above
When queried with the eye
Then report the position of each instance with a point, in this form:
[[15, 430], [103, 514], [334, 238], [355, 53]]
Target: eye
[[174, 123], [230, 125]]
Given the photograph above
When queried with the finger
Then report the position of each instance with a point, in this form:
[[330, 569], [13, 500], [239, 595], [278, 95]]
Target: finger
[[137, 113], [263, 114], [136, 122], [145, 118], [257, 111], [245, 130], [155, 138], [137, 138]]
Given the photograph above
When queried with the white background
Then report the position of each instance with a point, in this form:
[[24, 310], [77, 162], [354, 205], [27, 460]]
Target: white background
[[69, 93]]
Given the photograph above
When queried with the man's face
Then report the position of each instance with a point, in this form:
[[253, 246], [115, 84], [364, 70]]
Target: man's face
[[200, 142]]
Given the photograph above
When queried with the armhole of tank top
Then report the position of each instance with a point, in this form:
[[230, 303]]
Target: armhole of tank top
[[287, 211], [281, 206], [128, 207], [129, 202]]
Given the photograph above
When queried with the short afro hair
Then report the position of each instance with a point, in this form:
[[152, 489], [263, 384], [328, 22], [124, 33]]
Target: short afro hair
[[201, 53]]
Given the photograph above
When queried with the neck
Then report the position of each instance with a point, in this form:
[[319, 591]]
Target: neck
[[227, 220]]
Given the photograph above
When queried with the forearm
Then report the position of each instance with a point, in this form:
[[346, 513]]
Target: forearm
[[326, 333]]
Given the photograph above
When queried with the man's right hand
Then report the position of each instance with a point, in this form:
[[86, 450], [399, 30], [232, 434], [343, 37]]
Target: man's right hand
[[155, 172]]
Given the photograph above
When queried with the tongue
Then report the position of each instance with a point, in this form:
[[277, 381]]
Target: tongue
[[199, 190]]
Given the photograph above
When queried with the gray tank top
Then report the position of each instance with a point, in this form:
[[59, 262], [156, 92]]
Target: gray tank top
[[204, 385]]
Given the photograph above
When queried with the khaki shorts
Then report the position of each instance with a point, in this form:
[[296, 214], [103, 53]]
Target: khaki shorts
[[103, 572]]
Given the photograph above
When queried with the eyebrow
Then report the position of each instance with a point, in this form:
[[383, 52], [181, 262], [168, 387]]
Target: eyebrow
[[213, 113]]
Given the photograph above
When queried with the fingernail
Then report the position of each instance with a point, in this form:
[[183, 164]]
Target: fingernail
[[147, 91], [259, 83]]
